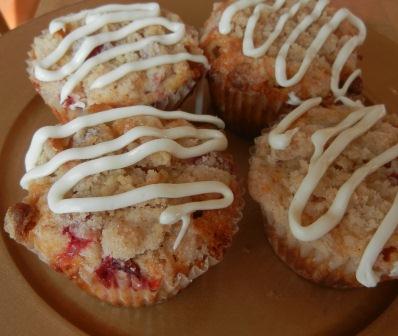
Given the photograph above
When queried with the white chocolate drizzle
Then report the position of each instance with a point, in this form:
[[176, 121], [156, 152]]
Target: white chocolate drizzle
[[97, 162], [280, 138], [294, 100], [349, 102], [249, 49], [340, 136], [81, 64], [365, 273]]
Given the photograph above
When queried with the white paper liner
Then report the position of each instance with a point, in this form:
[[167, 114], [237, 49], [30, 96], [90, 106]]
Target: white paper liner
[[124, 295], [245, 113]]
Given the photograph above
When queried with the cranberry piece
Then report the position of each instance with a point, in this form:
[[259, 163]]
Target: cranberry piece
[[387, 253], [110, 266], [97, 50], [197, 214], [137, 281], [153, 284], [68, 102], [393, 177], [64, 261], [317, 199], [130, 267], [75, 244], [106, 272]]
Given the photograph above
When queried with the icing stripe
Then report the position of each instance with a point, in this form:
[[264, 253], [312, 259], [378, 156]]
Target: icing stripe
[[365, 273], [140, 16], [317, 170], [248, 42], [92, 42], [321, 138], [59, 23], [354, 125], [97, 162], [66, 130], [249, 49], [294, 100], [125, 69], [103, 148], [280, 138], [225, 25]]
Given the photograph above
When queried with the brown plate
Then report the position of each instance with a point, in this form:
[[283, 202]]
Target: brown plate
[[250, 293]]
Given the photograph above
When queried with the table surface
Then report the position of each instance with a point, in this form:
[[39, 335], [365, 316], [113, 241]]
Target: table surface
[[381, 15]]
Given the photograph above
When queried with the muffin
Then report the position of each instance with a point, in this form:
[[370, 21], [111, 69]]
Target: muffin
[[131, 204], [327, 182], [265, 59], [114, 56]]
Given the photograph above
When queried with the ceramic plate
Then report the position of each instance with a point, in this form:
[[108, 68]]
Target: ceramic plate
[[250, 293]]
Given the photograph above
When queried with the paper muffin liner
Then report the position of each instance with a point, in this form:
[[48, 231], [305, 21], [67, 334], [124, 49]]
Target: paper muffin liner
[[123, 290], [245, 112], [306, 266], [122, 294]]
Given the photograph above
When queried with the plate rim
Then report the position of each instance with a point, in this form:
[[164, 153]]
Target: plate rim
[[18, 35]]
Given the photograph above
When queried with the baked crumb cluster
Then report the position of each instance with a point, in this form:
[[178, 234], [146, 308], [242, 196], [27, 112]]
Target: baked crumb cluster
[[128, 248], [245, 73], [162, 86], [275, 177]]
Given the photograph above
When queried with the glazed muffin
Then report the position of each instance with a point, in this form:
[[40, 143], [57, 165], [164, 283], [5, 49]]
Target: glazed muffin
[[264, 58], [331, 212], [114, 56], [132, 209]]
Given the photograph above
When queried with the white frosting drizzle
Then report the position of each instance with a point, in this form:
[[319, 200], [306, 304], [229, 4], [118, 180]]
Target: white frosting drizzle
[[280, 138], [294, 100], [225, 27], [66, 130], [248, 43], [353, 126], [77, 105], [97, 162], [349, 102], [140, 15], [316, 171], [365, 273], [59, 23]]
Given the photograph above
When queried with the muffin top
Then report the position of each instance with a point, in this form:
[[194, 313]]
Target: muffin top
[[136, 184], [287, 46], [327, 180], [116, 55]]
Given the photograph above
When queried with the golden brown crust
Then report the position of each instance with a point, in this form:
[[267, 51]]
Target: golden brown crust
[[21, 220], [166, 272], [164, 87], [245, 91], [126, 257], [307, 267], [275, 177]]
